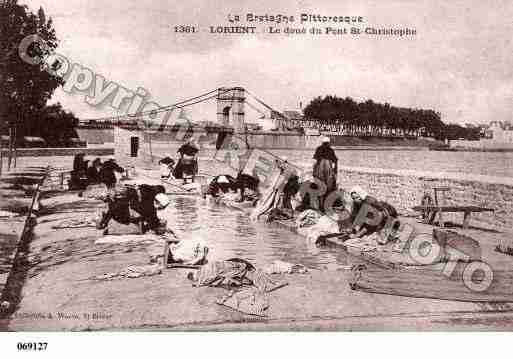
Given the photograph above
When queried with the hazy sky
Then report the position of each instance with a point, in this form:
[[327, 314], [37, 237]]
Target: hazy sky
[[459, 63]]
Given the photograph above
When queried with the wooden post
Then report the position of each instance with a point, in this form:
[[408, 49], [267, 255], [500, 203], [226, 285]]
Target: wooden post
[[149, 143], [1, 151], [9, 160], [466, 219], [15, 147], [441, 219], [166, 254]]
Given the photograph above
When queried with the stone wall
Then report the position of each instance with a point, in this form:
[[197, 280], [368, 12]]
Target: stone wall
[[65, 151], [282, 140], [483, 144], [405, 189], [96, 136]]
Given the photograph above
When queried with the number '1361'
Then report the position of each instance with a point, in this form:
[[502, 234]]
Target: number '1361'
[[186, 29]]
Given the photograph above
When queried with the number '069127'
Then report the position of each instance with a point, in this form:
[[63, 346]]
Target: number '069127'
[[32, 346]]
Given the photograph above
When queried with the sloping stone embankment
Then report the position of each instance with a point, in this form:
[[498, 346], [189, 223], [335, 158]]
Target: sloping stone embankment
[[405, 189]]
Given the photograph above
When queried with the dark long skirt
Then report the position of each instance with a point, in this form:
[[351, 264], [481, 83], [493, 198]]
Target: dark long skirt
[[324, 172], [185, 167]]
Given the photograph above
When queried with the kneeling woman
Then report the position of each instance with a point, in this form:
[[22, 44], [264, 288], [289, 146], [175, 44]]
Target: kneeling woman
[[221, 185], [248, 182], [145, 200], [370, 215], [167, 165]]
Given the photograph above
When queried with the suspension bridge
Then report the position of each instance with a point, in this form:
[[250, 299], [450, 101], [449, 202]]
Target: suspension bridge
[[232, 104]]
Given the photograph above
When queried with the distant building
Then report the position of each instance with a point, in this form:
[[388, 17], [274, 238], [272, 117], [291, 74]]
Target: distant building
[[32, 141], [207, 124], [253, 127], [293, 115], [288, 119], [500, 132]]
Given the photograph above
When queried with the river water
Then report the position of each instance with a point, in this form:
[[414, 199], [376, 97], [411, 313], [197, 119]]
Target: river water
[[230, 233]]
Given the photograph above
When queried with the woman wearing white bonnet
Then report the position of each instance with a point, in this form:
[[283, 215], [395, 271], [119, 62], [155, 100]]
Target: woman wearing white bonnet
[[370, 207], [221, 184], [161, 201], [358, 191]]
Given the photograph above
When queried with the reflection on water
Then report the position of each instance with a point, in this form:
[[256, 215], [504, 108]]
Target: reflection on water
[[230, 233]]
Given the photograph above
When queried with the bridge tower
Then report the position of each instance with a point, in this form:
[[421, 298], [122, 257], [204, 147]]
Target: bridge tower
[[230, 107]]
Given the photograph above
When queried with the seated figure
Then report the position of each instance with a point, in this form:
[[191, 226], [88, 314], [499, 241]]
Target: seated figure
[[78, 176], [93, 172]]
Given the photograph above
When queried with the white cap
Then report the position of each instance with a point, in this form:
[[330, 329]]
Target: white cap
[[222, 179], [284, 158], [359, 191], [162, 199], [325, 139]]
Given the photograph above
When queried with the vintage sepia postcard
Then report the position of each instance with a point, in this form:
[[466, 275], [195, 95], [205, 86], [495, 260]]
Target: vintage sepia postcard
[[255, 166]]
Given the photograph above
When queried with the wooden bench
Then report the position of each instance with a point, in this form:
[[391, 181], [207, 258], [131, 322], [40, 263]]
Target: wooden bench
[[432, 208], [467, 211]]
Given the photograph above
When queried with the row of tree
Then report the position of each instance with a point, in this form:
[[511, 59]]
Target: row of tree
[[25, 88], [369, 118]]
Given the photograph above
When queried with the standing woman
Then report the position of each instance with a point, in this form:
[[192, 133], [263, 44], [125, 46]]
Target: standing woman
[[326, 165], [188, 162]]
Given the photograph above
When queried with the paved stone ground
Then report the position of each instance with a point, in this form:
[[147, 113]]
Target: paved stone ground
[[16, 192]]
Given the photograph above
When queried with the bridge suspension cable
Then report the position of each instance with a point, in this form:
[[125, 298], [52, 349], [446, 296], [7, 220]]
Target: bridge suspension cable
[[190, 102], [265, 105], [177, 105], [254, 108]]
